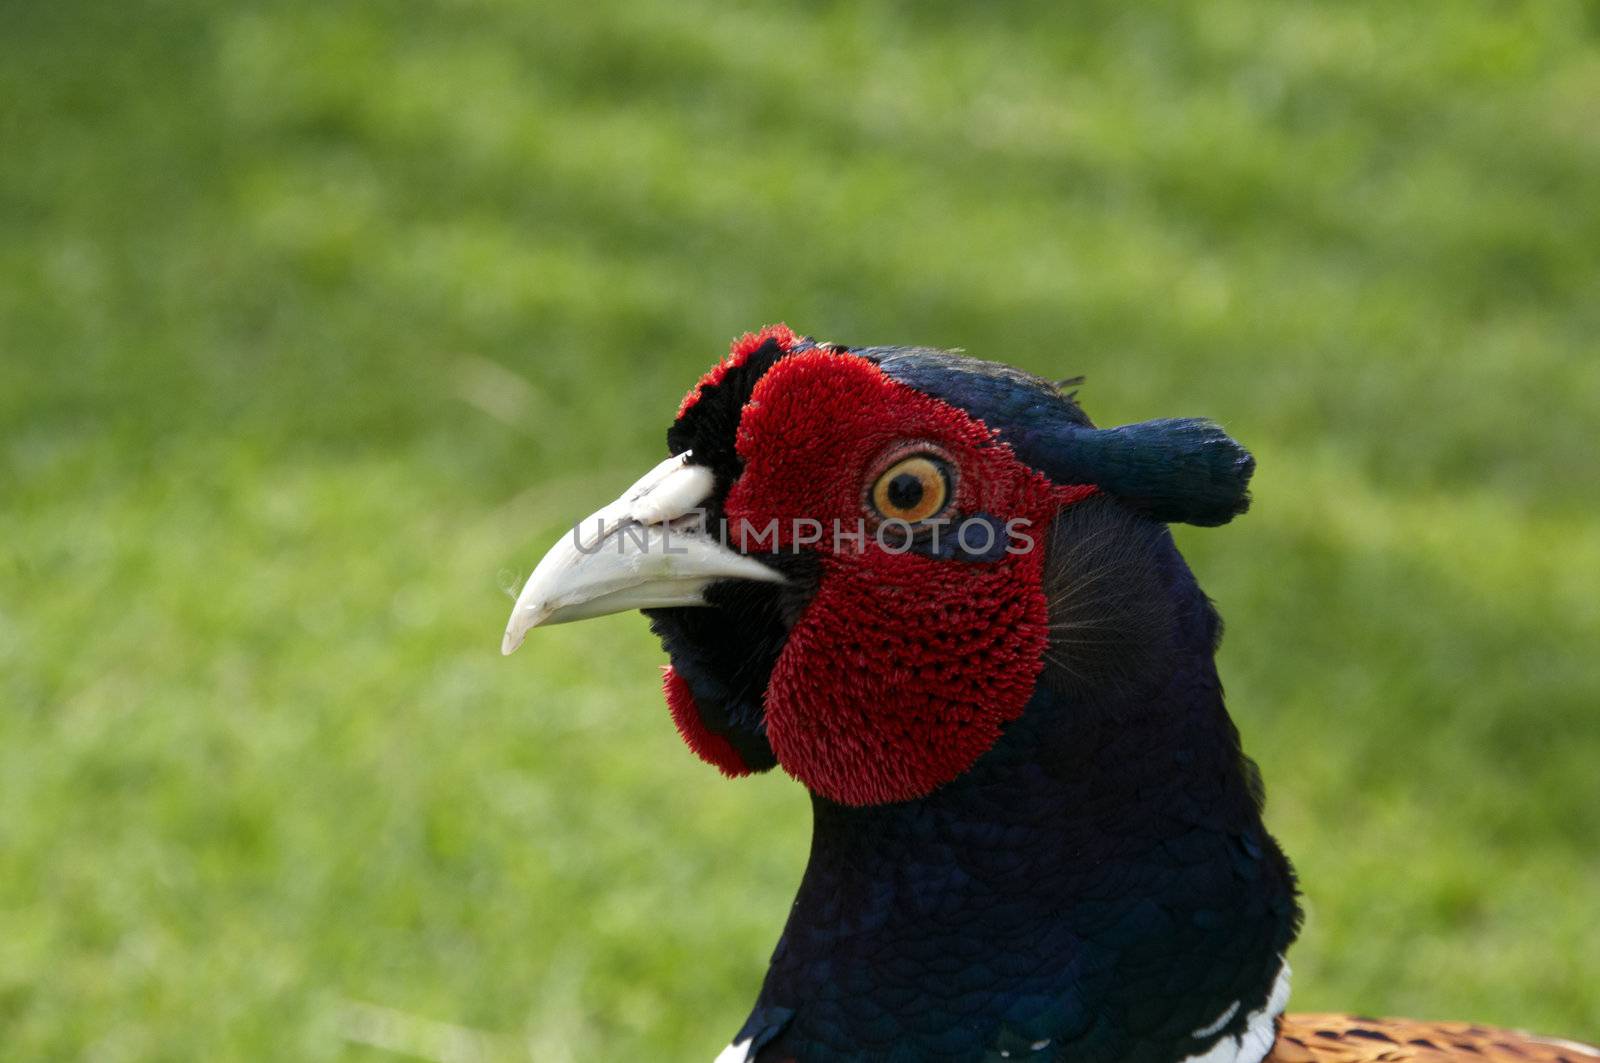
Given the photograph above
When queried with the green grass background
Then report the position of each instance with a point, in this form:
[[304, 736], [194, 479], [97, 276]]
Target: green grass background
[[318, 321]]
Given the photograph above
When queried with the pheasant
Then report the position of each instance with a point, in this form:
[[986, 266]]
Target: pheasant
[[940, 598]]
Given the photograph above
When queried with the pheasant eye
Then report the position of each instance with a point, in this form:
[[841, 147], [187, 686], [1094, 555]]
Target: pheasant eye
[[912, 489]]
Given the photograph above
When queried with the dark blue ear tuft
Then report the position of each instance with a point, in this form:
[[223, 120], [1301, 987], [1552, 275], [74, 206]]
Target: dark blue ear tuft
[[1176, 470]]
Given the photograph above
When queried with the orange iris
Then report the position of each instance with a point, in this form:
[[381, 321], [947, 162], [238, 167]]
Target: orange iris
[[912, 489]]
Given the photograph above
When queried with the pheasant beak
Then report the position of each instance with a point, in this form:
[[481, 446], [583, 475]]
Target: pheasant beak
[[650, 549]]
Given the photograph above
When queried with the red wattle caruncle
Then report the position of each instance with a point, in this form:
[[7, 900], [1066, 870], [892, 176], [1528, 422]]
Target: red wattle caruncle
[[903, 668], [739, 352], [711, 748]]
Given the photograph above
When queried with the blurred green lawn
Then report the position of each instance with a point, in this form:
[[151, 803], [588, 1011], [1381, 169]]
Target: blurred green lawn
[[317, 321]]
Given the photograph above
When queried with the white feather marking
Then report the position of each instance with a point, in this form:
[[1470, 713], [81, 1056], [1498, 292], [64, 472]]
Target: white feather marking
[[1261, 1029], [738, 1052], [1212, 1027]]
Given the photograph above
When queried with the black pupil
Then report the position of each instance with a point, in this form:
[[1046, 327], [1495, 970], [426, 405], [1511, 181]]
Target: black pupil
[[904, 491]]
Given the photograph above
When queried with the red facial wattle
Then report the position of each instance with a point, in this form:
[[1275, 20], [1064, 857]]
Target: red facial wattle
[[738, 353], [903, 668], [712, 748]]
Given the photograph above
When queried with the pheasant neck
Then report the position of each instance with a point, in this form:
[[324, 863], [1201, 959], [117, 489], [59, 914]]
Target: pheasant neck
[[1098, 887]]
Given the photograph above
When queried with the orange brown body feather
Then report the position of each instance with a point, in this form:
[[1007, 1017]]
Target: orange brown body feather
[[1327, 1038]]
